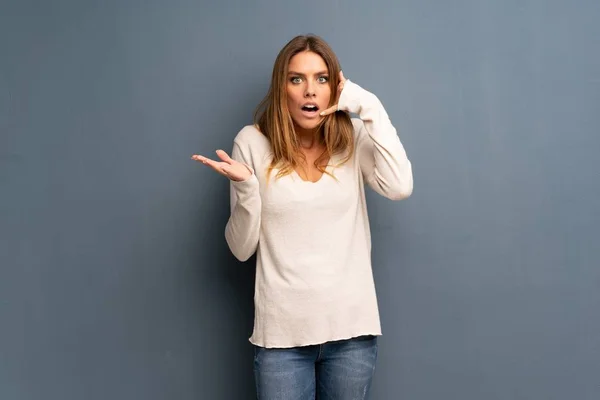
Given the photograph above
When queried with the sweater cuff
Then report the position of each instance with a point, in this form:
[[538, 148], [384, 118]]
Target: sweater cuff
[[247, 186]]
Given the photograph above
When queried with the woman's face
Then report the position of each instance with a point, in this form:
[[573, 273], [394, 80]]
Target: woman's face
[[308, 90]]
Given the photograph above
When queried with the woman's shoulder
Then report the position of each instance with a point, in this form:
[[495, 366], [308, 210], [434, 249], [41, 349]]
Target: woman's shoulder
[[251, 138], [253, 146]]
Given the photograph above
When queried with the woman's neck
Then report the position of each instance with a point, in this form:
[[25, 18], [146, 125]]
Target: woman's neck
[[308, 138]]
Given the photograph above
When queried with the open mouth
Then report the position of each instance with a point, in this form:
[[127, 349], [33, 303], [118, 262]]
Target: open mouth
[[310, 109]]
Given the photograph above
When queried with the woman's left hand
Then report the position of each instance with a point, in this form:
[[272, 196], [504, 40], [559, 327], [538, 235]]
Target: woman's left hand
[[334, 108]]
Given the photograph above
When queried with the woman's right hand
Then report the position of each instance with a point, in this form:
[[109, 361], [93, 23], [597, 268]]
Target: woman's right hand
[[228, 167]]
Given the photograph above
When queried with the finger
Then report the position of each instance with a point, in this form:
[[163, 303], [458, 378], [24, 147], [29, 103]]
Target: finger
[[203, 159], [211, 163], [224, 156], [198, 157], [214, 165], [342, 79], [330, 110]]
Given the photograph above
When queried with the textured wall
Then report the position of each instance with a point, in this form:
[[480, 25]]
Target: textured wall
[[115, 279]]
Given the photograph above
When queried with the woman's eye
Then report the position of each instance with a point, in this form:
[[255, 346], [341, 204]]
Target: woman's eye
[[323, 79], [295, 79]]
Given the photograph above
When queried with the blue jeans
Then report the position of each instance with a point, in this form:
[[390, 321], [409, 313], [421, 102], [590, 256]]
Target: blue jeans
[[339, 370]]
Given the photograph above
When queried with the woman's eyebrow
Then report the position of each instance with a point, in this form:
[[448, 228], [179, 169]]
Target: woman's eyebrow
[[301, 74]]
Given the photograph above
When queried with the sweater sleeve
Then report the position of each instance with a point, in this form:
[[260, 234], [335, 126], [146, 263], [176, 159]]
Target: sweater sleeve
[[382, 157], [243, 227]]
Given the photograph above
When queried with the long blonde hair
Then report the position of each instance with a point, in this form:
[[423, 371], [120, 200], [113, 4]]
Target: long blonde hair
[[275, 122]]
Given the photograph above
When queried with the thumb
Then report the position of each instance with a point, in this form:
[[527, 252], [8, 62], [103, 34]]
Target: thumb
[[224, 156]]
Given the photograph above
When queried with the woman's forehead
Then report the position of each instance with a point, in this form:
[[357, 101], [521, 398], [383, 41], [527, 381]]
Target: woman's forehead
[[307, 62]]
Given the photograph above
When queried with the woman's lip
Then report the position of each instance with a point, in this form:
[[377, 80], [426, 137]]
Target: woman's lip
[[310, 114]]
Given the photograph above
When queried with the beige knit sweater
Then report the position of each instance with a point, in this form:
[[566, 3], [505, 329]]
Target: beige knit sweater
[[314, 281]]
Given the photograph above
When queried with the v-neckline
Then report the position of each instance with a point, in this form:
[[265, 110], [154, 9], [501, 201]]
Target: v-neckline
[[327, 169]]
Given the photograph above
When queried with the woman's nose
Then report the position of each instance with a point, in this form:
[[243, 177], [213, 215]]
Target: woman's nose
[[310, 90]]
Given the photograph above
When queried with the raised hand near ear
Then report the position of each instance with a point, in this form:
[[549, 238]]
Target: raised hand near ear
[[334, 108], [228, 167]]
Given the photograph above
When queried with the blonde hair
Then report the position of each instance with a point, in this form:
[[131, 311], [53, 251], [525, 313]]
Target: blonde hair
[[274, 120]]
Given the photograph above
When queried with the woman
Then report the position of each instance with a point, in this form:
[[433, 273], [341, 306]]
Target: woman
[[298, 200]]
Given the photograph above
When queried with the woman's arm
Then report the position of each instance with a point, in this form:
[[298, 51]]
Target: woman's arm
[[243, 227], [382, 158]]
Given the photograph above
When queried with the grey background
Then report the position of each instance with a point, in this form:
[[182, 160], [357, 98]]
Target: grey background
[[115, 279]]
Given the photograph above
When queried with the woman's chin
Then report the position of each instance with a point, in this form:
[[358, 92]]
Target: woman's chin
[[308, 125]]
